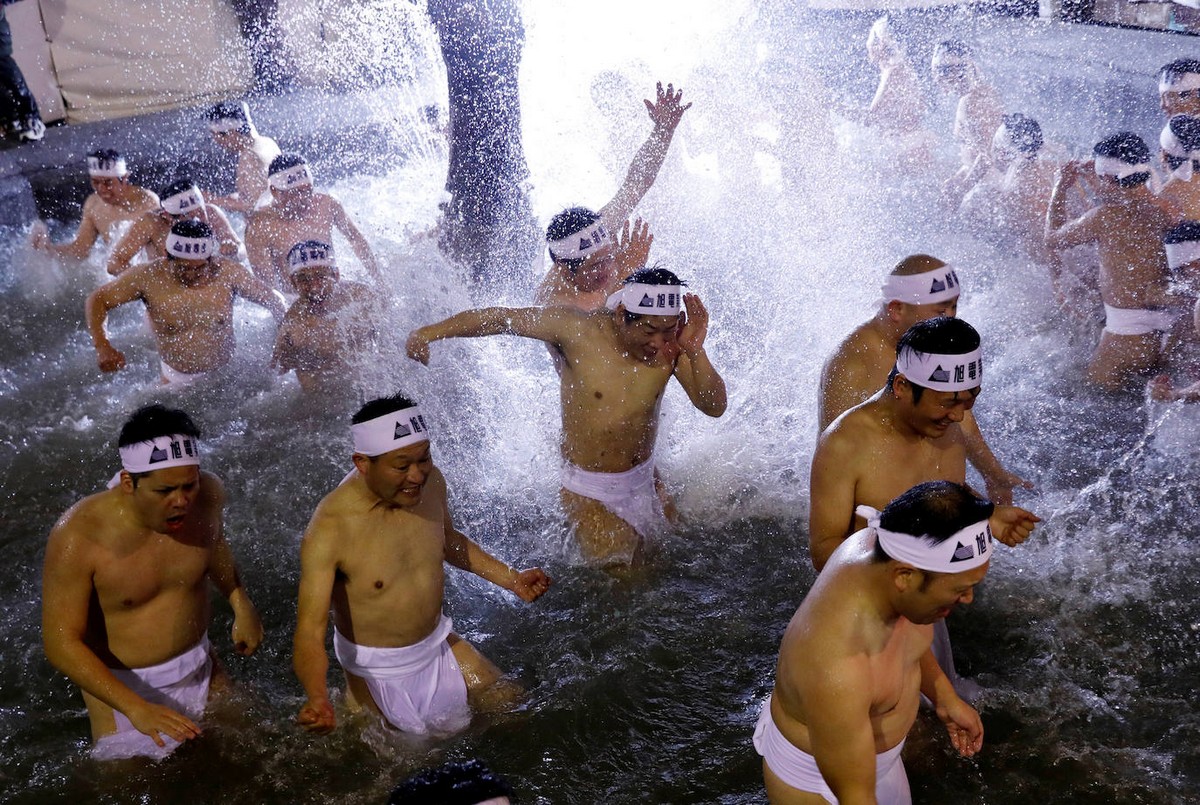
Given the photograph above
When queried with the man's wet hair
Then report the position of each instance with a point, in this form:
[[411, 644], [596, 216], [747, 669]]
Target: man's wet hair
[[1173, 71], [1183, 232], [916, 264], [462, 783], [1186, 129], [941, 335], [935, 510], [651, 275], [105, 154], [152, 421], [380, 406], [1025, 132], [1130, 149], [231, 110], [180, 185], [568, 222], [285, 161]]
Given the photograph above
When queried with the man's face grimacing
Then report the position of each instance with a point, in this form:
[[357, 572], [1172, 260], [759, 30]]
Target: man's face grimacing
[[315, 284], [193, 273], [163, 498], [1180, 102], [935, 411], [648, 337], [397, 477], [108, 188]]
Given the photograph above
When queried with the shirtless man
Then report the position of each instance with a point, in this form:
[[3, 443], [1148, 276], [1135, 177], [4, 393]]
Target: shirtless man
[[181, 200], [1011, 203], [125, 599], [189, 298], [1127, 227], [897, 110], [296, 214], [979, 112], [920, 287], [1179, 142], [232, 129], [856, 656], [907, 433], [617, 363], [583, 273], [1179, 87], [330, 323], [114, 201], [375, 551]]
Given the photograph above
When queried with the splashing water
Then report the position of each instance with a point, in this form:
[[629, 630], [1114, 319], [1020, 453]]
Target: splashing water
[[1085, 637]]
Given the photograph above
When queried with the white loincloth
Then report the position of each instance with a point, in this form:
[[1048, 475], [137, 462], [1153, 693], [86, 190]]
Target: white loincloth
[[799, 769], [1137, 321], [174, 377], [180, 683], [630, 495], [418, 688]]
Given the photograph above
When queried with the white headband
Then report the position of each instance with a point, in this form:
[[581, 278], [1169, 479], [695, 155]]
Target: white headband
[[160, 453], [1118, 168], [107, 168], [941, 372], [183, 201], [1184, 83], [937, 285], [648, 300], [309, 255], [189, 248], [295, 176], [1182, 253], [390, 432], [580, 244], [965, 549]]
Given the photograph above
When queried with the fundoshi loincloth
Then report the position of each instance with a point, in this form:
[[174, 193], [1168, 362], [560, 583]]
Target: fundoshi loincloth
[[174, 377], [629, 495], [180, 683], [418, 688], [1137, 321], [799, 769]]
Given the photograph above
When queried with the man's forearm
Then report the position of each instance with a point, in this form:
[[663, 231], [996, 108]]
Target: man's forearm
[[81, 665], [711, 394], [311, 665]]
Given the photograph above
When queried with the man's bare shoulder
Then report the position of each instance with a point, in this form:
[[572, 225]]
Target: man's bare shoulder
[[263, 222], [860, 347]]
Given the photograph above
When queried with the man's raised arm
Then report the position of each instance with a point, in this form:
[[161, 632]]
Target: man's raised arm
[[549, 324], [666, 112], [694, 370]]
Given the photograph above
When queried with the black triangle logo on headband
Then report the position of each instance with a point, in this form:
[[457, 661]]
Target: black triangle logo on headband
[[402, 430], [157, 455], [937, 286], [647, 301], [963, 553], [584, 243], [940, 375]]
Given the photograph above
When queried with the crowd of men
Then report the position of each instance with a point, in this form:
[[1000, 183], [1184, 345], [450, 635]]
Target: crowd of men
[[897, 536]]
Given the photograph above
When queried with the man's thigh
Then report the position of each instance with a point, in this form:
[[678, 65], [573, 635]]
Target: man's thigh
[[1119, 359], [603, 537]]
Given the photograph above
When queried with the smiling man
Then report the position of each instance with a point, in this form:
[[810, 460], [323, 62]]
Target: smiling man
[[189, 298], [125, 602], [616, 364], [856, 656], [906, 434], [375, 550]]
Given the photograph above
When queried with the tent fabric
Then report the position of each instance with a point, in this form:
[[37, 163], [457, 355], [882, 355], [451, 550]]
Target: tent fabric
[[116, 58]]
